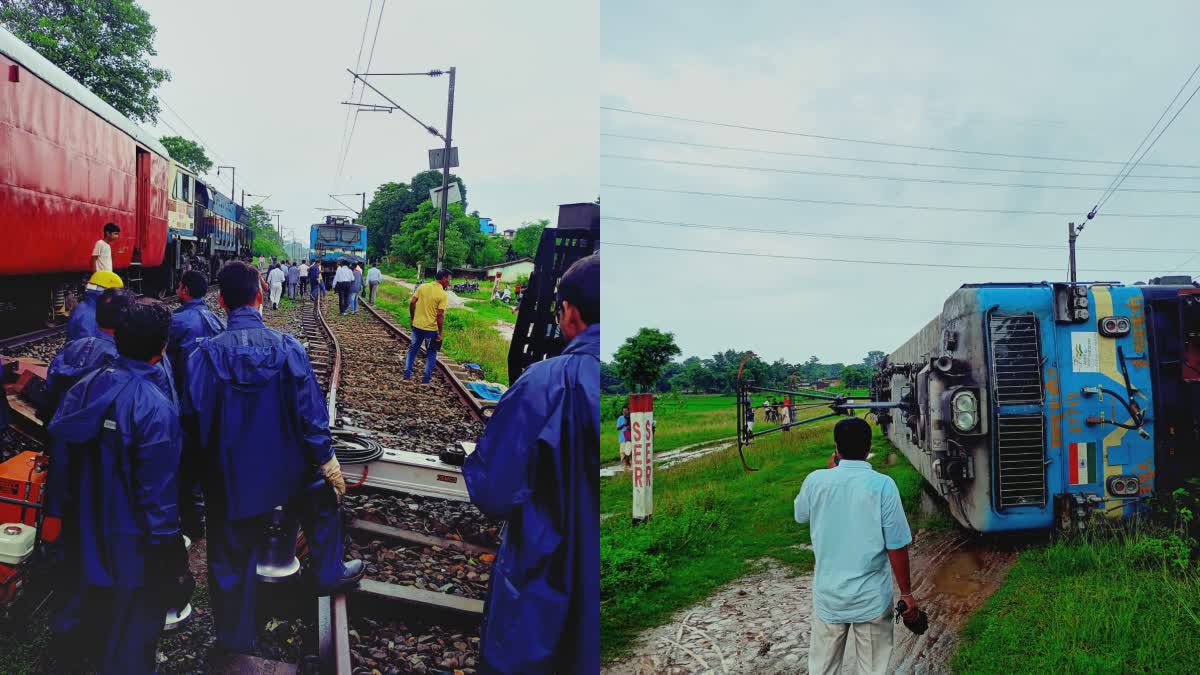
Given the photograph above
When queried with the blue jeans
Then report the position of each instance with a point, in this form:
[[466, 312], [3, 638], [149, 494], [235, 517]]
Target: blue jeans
[[353, 299], [421, 336]]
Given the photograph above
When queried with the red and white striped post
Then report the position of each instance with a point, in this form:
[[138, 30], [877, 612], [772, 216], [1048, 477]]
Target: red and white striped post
[[641, 429]]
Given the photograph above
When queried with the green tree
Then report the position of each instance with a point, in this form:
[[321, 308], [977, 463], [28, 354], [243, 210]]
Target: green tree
[[610, 380], [642, 358], [417, 240], [266, 238], [856, 376], [393, 202], [525, 239], [188, 153], [104, 44], [874, 358]]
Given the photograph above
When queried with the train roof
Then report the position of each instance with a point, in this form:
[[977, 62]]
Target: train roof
[[40, 66]]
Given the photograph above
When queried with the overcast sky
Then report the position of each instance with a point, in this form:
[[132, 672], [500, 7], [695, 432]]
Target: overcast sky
[[1078, 80], [261, 83]]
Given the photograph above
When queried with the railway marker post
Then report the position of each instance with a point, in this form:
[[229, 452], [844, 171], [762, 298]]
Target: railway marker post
[[641, 429]]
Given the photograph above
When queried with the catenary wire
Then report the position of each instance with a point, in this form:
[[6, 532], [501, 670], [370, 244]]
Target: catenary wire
[[911, 207], [900, 240], [906, 179], [1148, 148], [346, 121], [865, 160], [898, 263], [1118, 178], [932, 148]]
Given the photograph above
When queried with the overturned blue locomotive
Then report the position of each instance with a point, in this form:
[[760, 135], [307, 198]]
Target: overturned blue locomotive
[[1034, 405]]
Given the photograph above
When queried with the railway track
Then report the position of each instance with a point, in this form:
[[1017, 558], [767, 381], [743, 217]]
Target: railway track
[[428, 559]]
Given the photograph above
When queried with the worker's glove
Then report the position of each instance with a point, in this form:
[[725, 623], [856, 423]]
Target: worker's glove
[[332, 471]]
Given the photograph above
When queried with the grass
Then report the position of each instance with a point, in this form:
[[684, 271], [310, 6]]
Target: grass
[[470, 334], [713, 523], [1093, 605], [683, 419]]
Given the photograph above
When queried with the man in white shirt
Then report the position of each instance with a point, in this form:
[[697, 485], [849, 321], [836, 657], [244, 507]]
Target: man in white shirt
[[343, 282], [275, 279], [374, 276], [102, 251], [303, 277]]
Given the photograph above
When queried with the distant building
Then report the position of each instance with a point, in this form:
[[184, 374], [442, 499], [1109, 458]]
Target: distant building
[[508, 234], [486, 226], [508, 271]]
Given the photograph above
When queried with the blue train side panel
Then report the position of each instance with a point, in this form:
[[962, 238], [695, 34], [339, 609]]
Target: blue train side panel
[[1015, 406]]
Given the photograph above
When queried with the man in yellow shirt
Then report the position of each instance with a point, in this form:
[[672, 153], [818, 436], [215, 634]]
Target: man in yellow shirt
[[427, 309]]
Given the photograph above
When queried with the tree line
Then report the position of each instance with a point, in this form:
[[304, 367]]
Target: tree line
[[647, 362]]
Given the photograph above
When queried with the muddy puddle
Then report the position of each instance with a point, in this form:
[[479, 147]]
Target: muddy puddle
[[670, 458], [953, 574]]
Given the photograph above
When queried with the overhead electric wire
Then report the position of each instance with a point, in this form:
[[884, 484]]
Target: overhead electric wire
[[843, 139], [929, 165], [910, 207], [362, 90], [1118, 179], [362, 41], [1147, 150], [878, 238], [212, 151], [898, 263], [907, 179]]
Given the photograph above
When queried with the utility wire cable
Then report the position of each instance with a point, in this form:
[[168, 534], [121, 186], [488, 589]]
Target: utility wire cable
[[879, 238], [1147, 150], [362, 40], [843, 139], [1118, 178], [899, 263], [910, 207], [840, 158], [362, 90], [906, 179]]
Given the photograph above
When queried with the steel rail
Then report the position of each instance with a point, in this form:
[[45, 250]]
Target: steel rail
[[464, 394]]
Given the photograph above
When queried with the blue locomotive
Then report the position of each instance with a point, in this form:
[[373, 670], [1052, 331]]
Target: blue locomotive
[[1035, 405], [336, 238]]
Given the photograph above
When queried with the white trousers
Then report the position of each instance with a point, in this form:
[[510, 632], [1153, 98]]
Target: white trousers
[[276, 292], [871, 643]]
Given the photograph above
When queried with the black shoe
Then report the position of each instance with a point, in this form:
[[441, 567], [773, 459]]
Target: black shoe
[[355, 569]]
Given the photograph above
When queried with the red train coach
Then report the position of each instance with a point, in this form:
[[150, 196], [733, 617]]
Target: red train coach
[[69, 163]]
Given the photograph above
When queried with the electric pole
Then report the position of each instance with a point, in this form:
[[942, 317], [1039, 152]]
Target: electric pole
[[1071, 236], [446, 172]]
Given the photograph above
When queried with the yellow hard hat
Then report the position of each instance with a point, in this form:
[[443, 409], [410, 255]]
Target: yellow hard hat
[[105, 279]]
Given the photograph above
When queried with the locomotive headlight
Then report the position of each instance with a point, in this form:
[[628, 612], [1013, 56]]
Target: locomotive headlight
[[1113, 326], [964, 420], [965, 402]]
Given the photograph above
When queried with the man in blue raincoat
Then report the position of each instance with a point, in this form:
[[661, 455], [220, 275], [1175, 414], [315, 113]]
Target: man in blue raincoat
[[82, 356], [122, 433], [537, 466], [77, 360], [82, 322], [192, 323], [314, 280], [263, 428]]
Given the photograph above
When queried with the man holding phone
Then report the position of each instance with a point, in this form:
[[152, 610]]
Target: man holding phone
[[860, 538]]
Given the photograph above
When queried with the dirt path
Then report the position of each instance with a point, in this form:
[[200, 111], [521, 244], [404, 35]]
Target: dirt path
[[452, 299], [760, 623]]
